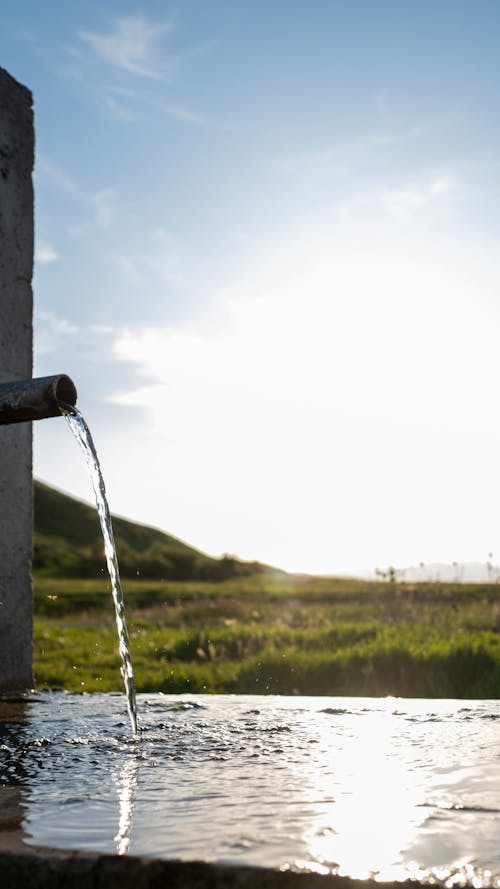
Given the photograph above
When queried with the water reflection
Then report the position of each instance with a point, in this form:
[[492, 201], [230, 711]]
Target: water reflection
[[13, 715], [126, 783], [405, 804], [375, 814], [381, 788]]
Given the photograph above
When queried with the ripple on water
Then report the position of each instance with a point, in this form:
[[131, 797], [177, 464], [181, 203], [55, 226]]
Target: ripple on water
[[300, 783]]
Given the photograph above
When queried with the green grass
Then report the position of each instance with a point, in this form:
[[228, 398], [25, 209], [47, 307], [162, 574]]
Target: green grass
[[273, 634]]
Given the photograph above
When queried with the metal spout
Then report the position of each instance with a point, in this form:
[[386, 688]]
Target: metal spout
[[24, 400]]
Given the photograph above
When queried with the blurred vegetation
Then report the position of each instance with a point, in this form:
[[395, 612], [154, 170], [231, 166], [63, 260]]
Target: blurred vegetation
[[274, 634], [67, 542], [220, 625]]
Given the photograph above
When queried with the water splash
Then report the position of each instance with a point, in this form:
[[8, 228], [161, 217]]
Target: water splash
[[82, 434]]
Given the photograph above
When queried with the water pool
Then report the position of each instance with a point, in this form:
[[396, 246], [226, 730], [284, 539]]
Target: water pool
[[387, 788]]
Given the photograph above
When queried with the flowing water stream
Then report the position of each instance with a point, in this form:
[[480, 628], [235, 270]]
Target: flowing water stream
[[82, 434]]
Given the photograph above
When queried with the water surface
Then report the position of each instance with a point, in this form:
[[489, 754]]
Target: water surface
[[388, 788]]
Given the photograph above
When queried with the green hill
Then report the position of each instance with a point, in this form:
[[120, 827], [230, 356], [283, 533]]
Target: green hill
[[67, 542]]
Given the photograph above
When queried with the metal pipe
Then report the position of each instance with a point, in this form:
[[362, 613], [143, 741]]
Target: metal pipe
[[24, 400]]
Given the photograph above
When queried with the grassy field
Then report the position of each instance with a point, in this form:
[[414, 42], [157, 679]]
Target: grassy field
[[270, 634]]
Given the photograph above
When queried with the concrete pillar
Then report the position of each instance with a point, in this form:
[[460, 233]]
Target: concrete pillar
[[16, 345]]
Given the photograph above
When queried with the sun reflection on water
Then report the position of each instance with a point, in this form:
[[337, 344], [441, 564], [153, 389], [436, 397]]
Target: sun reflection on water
[[127, 782], [373, 818]]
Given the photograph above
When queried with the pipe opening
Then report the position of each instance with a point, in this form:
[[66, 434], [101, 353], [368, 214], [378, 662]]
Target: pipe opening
[[65, 390]]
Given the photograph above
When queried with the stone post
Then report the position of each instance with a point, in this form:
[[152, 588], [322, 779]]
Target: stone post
[[16, 344]]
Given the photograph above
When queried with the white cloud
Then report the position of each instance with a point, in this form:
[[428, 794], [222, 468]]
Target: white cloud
[[163, 262], [324, 423], [133, 46], [50, 332], [130, 45], [328, 161], [52, 174], [45, 253], [128, 106], [102, 205], [396, 138], [337, 160], [405, 202], [186, 115], [118, 110]]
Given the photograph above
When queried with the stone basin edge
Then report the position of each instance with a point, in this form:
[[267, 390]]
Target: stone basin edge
[[36, 867]]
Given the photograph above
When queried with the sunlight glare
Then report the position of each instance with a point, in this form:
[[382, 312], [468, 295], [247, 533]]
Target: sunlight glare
[[375, 799], [338, 381]]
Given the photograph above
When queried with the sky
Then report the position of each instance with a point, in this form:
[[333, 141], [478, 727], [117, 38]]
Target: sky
[[267, 241]]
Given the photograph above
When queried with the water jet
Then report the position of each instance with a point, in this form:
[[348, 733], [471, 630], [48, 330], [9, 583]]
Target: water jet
[[29, 400]]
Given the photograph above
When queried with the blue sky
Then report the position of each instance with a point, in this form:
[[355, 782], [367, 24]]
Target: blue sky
[[267, 252]]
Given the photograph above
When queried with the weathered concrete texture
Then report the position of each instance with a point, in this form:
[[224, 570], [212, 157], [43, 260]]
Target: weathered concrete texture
[[50, 869], [16, 266]]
